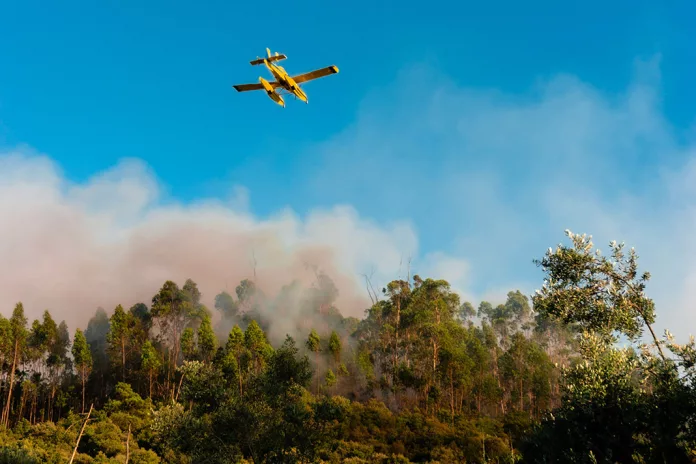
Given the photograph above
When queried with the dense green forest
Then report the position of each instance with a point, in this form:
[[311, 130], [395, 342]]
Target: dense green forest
[[423, 377]]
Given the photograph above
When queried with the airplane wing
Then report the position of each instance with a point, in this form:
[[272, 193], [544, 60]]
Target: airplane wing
[[316, 74], [248, 87]]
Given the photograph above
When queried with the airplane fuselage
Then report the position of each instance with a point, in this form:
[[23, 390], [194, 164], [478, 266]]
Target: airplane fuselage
[[282, 80], [285, 80]]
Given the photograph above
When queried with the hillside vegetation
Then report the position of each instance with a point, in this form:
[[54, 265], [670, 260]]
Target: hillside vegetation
[[423, 377]]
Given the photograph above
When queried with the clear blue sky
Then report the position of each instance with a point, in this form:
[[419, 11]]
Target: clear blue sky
[[89, 83]]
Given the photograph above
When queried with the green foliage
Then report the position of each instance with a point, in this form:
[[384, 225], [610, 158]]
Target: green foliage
[[330, 378], [313, 341], [151, 362], [119, 337], [286, 369], [618, 405], [226, 305], [80, 350], [188, 344], [207, 343], [335, 346], [17, 456], [603, 294], [418, 379]]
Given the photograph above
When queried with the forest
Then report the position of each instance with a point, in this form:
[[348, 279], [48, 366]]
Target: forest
[[574, 373]]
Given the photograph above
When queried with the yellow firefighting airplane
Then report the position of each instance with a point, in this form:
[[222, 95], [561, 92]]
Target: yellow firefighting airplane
[[283, 82]]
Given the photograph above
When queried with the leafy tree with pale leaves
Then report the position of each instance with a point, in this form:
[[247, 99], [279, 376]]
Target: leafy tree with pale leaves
[[619, 404], [605, 295]]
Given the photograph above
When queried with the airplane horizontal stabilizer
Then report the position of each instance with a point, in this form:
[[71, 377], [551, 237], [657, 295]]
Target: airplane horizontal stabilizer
[[272, 58]]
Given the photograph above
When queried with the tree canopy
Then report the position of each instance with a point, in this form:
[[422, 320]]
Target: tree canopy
[[422, 377]]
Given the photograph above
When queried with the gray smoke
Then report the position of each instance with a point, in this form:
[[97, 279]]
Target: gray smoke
[[71, 248]]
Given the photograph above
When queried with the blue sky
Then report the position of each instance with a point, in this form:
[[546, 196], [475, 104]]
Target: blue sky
[[485, 129]]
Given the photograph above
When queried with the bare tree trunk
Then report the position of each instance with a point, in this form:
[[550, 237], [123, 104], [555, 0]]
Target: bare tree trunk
[[128, 444], [123, 359], [452, 395], [316, 362], [6, 412], [80, 435], [181, 381], [83, 389], [22, 402], [657, 343], [51, 402]]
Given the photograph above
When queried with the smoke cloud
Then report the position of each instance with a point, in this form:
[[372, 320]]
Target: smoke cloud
[[498, 177], [114, 239], [509, 175]]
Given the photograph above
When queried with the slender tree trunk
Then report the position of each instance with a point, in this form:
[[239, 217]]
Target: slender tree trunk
[[150, 377], [22, 402], [6, 414], [239, 370], [316, 362], [396, 333], [84, 378], [652, 332], [657, 343], [169, 368], [80, 435], [128, 444], [181, 381], [427, 403], [435, 352], [123, 359], [52, 402], [452, 395]]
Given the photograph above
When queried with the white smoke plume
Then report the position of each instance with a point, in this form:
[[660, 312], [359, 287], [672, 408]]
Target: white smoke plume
[[71, 248]]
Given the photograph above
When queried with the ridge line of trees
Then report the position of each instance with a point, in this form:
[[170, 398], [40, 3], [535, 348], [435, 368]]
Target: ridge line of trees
[[423, 377]]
